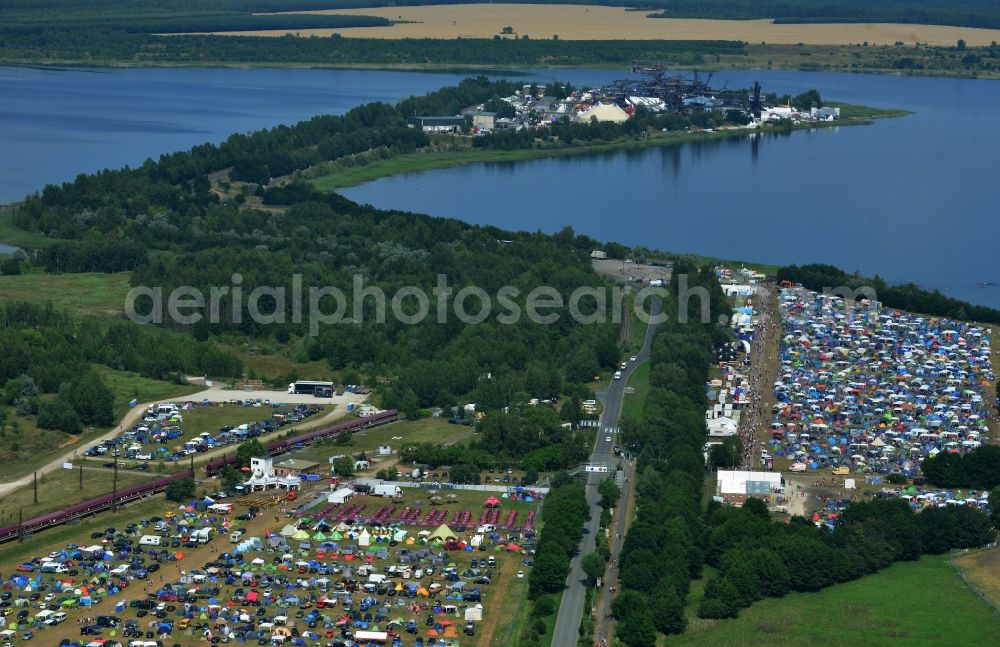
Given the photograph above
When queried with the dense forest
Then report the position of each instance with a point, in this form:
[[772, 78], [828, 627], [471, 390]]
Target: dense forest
[[103, 45], [46, 367], [908, 296], [168, 16]]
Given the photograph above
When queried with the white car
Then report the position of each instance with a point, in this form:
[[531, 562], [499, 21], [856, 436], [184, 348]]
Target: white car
[[607, 438], [618, 375], [520, 574], [144, 457], [633, 358]]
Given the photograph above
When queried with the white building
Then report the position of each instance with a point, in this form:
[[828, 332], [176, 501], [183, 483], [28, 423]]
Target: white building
[[340, 495], [736, 485], [262, 477], [739, 289], [721, 427]]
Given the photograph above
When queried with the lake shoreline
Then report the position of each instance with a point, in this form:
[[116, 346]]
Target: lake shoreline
[[369, 171], [472, 68]]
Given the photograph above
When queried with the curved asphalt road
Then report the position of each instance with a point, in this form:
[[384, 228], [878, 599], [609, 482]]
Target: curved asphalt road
[[567, 627]]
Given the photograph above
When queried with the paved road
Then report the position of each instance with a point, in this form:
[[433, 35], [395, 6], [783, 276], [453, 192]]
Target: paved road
[[571, 608]]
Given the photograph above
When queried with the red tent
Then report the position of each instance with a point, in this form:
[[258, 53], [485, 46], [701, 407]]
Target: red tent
[[492, 502]]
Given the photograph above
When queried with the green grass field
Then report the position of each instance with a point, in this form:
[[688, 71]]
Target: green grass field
[[88, 294], [404, 432], [18, 237], [61, 488], [911, 603], [632, 403]]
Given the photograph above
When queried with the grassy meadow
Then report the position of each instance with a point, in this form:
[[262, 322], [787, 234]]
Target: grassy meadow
[[910, 603]]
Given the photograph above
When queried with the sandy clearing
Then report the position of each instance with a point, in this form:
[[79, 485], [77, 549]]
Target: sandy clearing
[[573, 22]]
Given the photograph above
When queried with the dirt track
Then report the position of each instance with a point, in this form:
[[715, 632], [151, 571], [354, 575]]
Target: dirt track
[[574, 22]]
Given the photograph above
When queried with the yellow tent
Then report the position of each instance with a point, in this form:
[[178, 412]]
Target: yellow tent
[[443, 533]]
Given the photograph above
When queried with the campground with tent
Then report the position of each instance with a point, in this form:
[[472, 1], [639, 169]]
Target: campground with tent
[[312, 579]]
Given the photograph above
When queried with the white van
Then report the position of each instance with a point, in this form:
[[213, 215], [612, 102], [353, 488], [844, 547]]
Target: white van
[[150, 540], [54, 567]]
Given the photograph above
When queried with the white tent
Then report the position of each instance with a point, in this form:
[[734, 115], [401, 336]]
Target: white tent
[[364, 539]]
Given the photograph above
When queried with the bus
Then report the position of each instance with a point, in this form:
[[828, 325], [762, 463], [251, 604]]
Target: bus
[[319, 389]]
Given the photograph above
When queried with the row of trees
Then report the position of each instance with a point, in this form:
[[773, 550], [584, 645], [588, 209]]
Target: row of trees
[[757, 558], [566, 512], [978, 469], [106, 44], [908, 296], [663, 549]]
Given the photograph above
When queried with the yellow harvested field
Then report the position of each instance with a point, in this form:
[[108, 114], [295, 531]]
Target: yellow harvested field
[[574, 22]]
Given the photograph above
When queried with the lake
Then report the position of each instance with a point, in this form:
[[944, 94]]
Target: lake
[[908, 199], [56, 123]]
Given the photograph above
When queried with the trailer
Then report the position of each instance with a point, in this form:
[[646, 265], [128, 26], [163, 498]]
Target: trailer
[[386, 489]]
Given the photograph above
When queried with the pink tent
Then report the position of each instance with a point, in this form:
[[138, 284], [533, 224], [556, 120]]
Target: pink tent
[[492, 502]]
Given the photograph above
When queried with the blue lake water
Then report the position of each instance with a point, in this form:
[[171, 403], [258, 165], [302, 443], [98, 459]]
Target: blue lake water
[[908, 199], [57, 123]]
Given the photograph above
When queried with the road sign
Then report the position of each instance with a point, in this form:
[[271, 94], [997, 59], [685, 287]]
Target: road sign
[[600, 469]]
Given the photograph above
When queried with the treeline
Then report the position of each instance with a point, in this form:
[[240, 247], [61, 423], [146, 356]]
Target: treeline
[[971, 13], [46, 368], [663, 550], [566, 512], [979, 468], [50, 353], [907, 296], [757, 558], [94, 256], [137, 17], [109, 45]]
